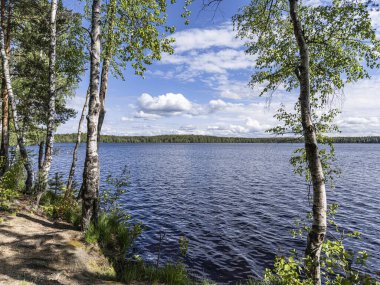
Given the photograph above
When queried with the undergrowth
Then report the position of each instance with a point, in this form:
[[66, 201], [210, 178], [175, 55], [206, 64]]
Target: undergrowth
[[11, 185]]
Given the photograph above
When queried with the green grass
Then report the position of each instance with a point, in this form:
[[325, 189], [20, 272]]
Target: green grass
[[170, 274]]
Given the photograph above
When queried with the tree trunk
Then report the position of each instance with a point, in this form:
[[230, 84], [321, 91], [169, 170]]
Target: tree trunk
[[102, 95], [75, 153], [44, 176], [91, 171], [106, 62], [20, 138], [41, 155], [4, 148], [318, 231]]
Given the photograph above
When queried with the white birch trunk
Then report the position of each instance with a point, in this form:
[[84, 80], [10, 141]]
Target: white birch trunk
[[70, 180], [4, 148], [44, 175], [91, 173], [20, 138], [110, 42], [319, 226]]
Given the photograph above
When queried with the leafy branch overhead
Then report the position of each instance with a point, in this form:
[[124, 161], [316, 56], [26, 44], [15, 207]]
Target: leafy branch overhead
[[134, 33], [340, 39]]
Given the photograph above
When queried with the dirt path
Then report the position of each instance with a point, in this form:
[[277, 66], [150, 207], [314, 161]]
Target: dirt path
[[34, 250]]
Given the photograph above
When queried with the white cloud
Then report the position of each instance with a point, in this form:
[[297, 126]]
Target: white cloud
[[195, 39], [169, 103], [250, 127], [359, 126], [127, 119], [219, 105], [219, 62], [146, 116], [172, 104]]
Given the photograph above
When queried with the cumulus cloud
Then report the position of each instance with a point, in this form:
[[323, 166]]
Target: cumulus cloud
[[169, 103], [251, 127], [172, 104], [219, 104]]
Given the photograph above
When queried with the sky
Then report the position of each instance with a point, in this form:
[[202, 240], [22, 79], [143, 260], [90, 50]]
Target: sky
[[203, 87]]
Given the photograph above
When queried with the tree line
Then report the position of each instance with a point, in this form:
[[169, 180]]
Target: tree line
[[72, 138]]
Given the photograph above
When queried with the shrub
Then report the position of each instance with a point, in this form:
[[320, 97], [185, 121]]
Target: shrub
[[115, 235], [11, 184]]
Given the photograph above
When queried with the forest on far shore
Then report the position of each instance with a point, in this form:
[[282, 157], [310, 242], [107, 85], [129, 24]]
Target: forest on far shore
[[71, 138]]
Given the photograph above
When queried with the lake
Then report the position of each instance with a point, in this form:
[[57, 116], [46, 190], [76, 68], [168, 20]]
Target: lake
[[234, 202]]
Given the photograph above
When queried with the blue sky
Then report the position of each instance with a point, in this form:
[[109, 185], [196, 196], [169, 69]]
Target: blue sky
[[202, 88]]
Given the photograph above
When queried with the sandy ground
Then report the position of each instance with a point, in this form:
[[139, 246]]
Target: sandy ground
[[34, 250]]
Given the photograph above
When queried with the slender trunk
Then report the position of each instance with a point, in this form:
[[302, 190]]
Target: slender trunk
[[75, 153], [102, 94], [4, 148], [20, 138], [91, 171], [318, 231], [41, 155], [106, 62], [44, 176]]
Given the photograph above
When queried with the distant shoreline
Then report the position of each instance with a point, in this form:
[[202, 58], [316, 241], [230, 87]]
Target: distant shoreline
[[71, 138]]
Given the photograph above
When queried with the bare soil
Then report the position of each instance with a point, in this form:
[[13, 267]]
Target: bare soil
[[34, 250]]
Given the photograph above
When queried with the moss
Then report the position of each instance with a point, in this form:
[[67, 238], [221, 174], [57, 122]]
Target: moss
[[76, 244], [104, 270]]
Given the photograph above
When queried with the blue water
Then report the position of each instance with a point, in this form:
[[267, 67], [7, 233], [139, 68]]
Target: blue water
[[234, 202]]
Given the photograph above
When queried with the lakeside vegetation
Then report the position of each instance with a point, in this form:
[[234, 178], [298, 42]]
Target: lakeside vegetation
[[72, 138]]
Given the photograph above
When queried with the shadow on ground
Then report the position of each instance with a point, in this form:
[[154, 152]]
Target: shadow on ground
[[34, 250]]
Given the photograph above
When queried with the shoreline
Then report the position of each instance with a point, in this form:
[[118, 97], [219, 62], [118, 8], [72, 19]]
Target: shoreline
[[71, 138]]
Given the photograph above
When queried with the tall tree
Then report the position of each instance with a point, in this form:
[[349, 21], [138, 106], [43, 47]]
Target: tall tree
[[109, 47], [91, 170], [20, 137], [44, 175], [135, 33], [70, 179], [31, 64], [318, 231], [316, 50], [4, 148]]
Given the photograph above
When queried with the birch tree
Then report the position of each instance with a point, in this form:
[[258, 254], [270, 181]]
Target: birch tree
[[44, 175], [91, 172], [20, 138], [6, 15], [70, 179], [134, 34], [315, 51], [30, 62]]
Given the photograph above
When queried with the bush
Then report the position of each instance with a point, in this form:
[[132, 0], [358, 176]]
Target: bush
[[11, 184], [115, 236], [54, 207]]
